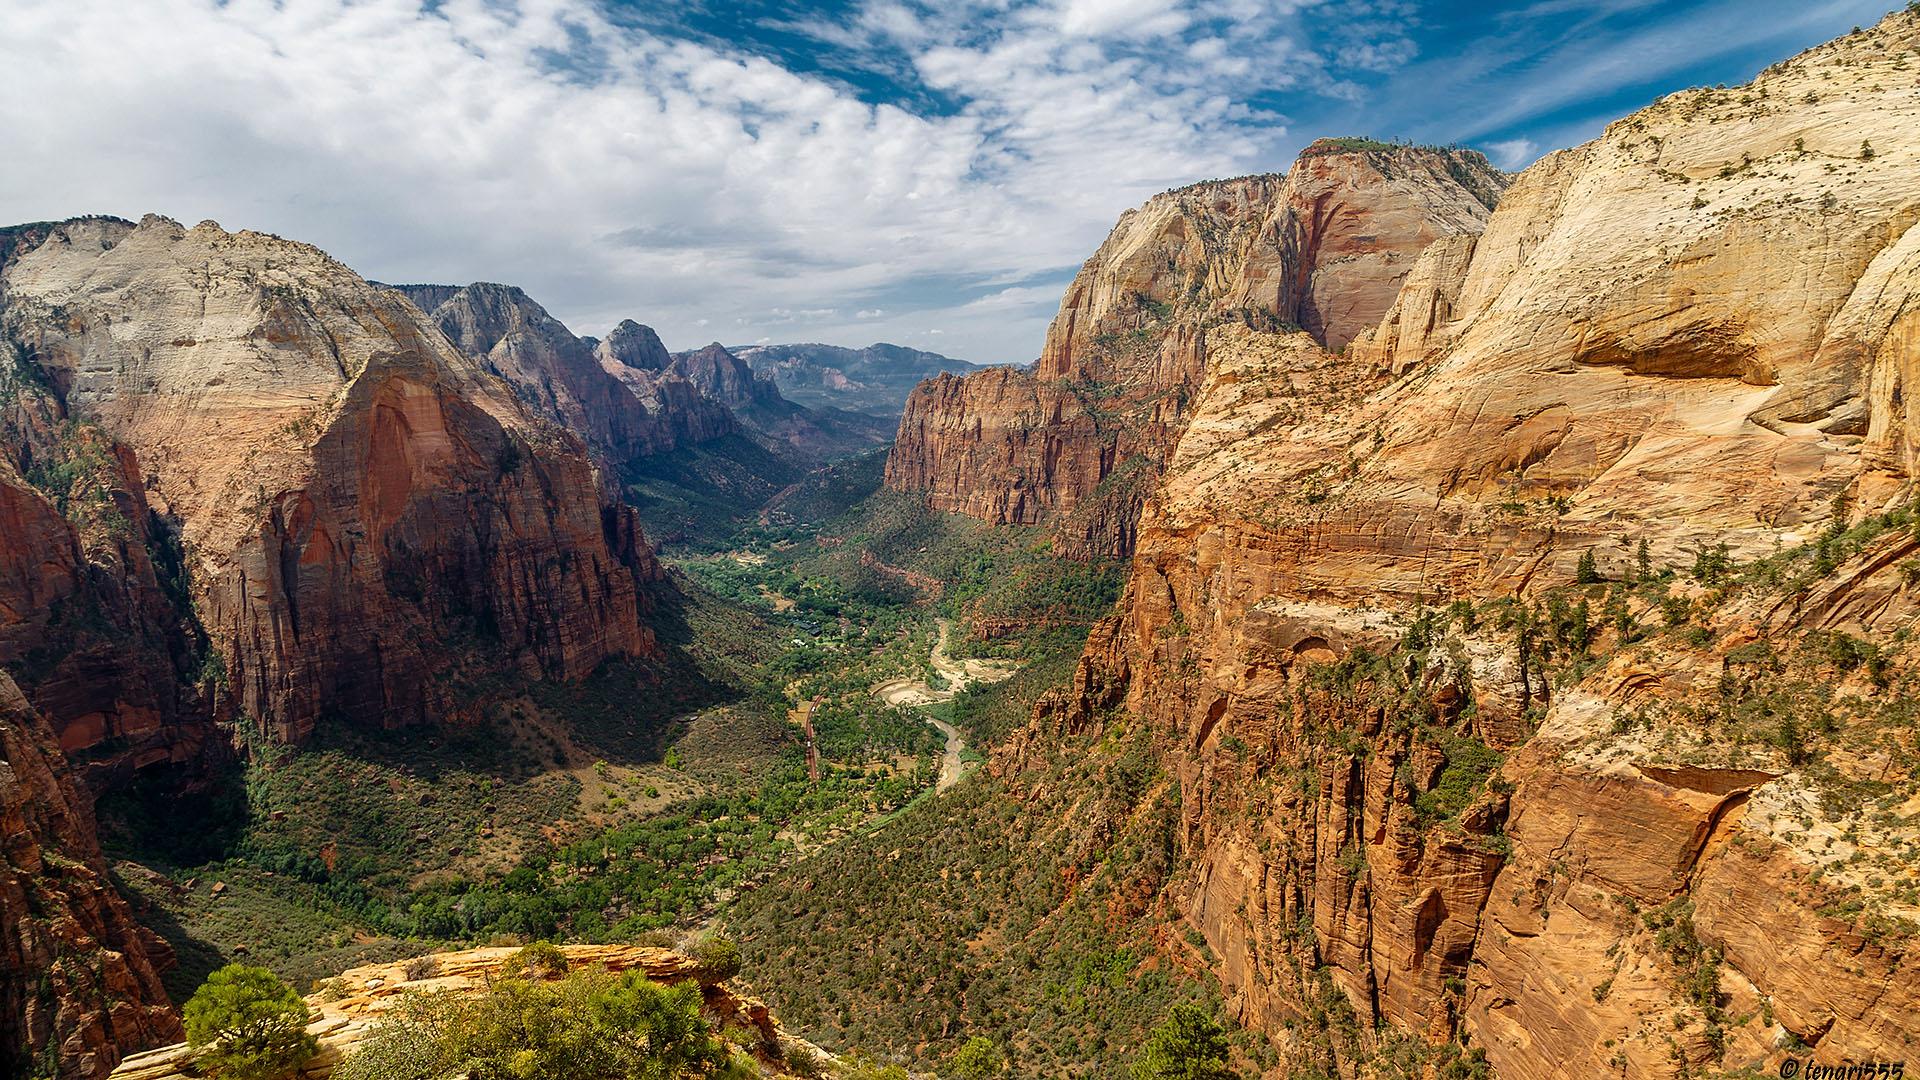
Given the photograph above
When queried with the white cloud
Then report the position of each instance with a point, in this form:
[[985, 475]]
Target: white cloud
[[612, 172], [1124, 18], [1018, 297], [618, 172], [1513, 154]]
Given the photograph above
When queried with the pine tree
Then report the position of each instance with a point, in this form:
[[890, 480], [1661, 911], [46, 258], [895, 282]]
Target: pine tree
[[1188, 1045], [1588, 572], [248, 1025]]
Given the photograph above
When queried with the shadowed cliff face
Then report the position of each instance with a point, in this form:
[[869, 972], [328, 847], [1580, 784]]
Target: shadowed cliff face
[[614, 394], [1628, 857], [1077, 443], [89, 617], [359, 505], [727, 379], [77, 973]]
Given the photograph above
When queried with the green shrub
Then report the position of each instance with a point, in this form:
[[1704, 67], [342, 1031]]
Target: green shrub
[[248, 1025], [1712, 564], [1189, 1045], [718, 956], [858, 1068], [1588, 571], [979, 1059], [1470, 763], [541, 960], [588, 1026], [803, 1060]]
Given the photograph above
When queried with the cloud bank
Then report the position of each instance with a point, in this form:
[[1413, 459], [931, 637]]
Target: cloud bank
[[933, 180]]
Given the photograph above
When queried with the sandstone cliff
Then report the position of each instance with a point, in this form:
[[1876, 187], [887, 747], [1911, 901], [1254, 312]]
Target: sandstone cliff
[[633, 354], [1078, 442], [78, 978], [89, 603], [631, 345], [351, 1003], [726, 378], [1593, 819], [358, 504]]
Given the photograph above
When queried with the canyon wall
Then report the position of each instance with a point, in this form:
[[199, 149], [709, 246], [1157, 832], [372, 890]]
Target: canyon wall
[[1593, 819], [357, 506], [79, 984], [792, 432], [1078, 442]]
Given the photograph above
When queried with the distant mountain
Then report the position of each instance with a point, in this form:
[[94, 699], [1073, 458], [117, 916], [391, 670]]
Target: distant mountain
[[814, 434], [611, 393], [726, 378], [876, 379]]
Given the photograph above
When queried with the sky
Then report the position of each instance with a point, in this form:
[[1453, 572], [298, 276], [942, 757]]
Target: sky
[[846, 171]]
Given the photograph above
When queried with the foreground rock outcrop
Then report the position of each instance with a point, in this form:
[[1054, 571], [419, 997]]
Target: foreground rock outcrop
[[79, 977], [350, 1004], [1078, 443], [1594, 818]]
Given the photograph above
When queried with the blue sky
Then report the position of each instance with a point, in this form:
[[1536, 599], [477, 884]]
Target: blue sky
[[843, 171]]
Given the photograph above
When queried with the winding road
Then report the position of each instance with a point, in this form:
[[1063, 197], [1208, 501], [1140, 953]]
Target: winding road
[[958, 675]]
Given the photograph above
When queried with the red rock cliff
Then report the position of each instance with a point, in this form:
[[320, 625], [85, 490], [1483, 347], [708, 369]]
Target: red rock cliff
[[1076, 443], [1695, 330], [78, 978], [360, 505]]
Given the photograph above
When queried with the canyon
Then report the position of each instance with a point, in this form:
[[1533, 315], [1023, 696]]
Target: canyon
[[1078, 442], [1511, 672]]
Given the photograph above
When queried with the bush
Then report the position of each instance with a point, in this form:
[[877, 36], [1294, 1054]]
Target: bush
[[979, 1059], [803, 1060], [588, 1026], [248, 1025], [1189, 1045], [540, 960], [422, 967], [718, 957]]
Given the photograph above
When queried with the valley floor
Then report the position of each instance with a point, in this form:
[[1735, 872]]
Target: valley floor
[[824, 695]]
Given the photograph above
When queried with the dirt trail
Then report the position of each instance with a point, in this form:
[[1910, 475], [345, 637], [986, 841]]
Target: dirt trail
[[958, 675], [803, 715]]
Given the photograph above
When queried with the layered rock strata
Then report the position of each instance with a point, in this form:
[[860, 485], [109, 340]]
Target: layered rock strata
[[357, 503], [1694, 331], [615, 394], [1077, 443], [79, 977]]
